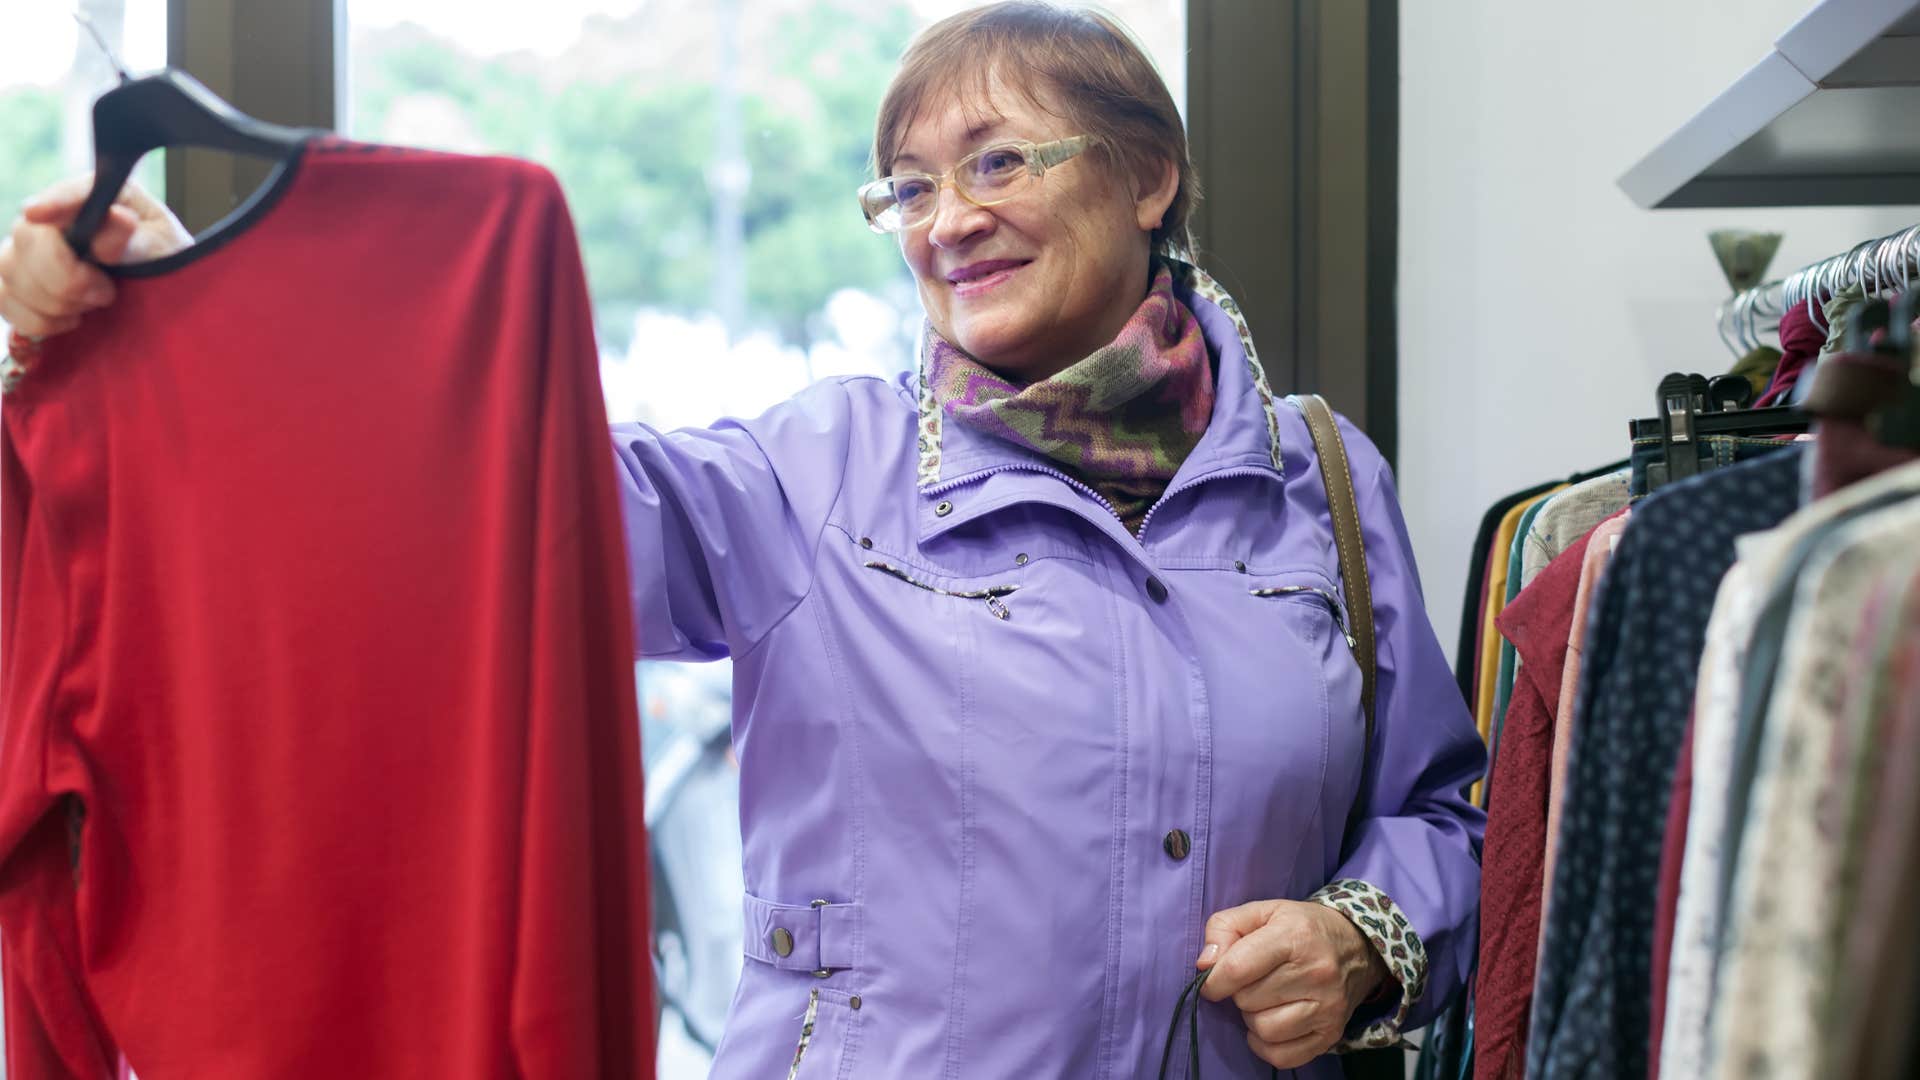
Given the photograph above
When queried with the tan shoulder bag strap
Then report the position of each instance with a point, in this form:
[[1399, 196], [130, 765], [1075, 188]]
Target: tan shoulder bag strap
[[1345, 510], [1388, 1062]]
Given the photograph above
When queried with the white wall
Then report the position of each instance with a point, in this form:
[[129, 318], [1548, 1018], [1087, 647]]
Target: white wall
[[1538, 306]]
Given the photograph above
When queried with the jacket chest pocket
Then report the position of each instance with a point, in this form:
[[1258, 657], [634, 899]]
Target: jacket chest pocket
[[1280, 681], [1315, 596], [993, 595], [1318, 631]]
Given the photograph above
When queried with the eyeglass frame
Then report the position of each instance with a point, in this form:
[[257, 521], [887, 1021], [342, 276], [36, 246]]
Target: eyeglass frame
[[1039, 157]]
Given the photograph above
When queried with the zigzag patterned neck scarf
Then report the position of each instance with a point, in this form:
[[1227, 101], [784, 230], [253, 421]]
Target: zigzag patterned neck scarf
[[1122, 420]]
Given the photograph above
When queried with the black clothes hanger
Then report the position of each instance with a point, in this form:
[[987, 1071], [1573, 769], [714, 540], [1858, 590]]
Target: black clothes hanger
[[166, 109], [1690, 410]]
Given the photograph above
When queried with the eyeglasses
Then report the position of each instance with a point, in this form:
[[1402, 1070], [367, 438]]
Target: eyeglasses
[[985, 177]]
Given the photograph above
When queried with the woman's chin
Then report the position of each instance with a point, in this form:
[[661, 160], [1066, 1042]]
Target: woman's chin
[[1002, 348]]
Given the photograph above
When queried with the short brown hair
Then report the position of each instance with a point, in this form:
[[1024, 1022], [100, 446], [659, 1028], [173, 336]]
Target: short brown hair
[[1102, 76]]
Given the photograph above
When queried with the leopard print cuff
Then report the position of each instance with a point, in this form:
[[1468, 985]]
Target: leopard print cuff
[[1393, 936]]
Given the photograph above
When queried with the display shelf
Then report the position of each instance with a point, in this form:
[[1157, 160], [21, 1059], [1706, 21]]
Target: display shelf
[[1828, 118]]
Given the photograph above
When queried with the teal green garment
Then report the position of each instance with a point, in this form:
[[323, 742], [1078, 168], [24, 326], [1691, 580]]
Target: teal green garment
[[1509, 658]]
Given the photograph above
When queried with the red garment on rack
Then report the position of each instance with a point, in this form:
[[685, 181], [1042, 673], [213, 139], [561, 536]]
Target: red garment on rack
[[1800, 345], [1513, 859], [1666, 910], [318, 749]]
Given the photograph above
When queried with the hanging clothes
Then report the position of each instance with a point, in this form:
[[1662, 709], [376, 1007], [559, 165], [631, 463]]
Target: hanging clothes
[[1838, 314], [1699, 911], [1539, 623], [1466, 656], [1800, 343], [1599, 552], [1499, 561], [1569, 517], [1846, 390], [1776, 954], [1877, 990], [1504, 671], [1757, 366], [1590, 1009], [1666, 896], [1543, 530]]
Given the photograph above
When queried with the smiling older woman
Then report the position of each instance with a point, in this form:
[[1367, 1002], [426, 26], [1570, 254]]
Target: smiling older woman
[[1043, 697]]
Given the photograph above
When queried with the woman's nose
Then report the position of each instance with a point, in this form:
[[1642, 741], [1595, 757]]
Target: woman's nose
[[955, 220]]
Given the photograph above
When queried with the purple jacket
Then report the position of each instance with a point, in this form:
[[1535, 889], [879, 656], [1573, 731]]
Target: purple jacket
[[971, 711]]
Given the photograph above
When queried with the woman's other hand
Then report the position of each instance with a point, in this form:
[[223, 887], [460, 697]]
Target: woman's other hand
[[44, 288], [1297, 971]]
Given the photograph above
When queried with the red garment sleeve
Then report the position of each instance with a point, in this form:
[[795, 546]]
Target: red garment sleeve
[[573, 1013]]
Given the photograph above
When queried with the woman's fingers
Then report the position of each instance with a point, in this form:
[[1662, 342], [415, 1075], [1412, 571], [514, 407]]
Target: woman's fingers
[[44, 274], [30, 322], [1293, 1053], [1285, 1023], [138, 226], [43, 287], [1233, 961], [118, 235], [60, 203]]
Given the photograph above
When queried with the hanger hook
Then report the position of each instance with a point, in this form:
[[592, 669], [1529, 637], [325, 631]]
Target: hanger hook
[[93, 31], [1720, 324]]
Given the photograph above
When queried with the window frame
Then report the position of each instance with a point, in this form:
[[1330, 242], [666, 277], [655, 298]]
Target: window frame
[[1300, 219], [1300, 216], [279, 60]]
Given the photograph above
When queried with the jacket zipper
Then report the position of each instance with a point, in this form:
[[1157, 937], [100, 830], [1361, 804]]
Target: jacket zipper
[[991, 594], [1333, 605], [1194, 482], [1021, 466]]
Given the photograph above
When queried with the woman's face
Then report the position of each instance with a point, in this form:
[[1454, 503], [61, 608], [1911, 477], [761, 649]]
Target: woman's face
[[1034, 284]]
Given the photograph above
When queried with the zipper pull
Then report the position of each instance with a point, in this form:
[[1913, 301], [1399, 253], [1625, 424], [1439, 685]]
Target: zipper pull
[[998, 606], [1340, 621]]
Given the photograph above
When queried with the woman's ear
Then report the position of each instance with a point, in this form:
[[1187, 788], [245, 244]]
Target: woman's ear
[[1155, 184]]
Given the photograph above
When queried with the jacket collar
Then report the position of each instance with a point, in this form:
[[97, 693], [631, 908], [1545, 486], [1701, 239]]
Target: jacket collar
[[1243, 432]]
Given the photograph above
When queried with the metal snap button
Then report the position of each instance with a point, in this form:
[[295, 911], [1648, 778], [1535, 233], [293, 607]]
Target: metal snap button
[[854, 1003], [866, 542], [943, 509], [782, 942], [1177, 844], [1157, 590], [1020, 559]]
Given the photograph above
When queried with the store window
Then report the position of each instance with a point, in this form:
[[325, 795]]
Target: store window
[[709, 150], [52, 74]]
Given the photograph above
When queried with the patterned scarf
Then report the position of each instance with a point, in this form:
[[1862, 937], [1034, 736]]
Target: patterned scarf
[[1122, 420]]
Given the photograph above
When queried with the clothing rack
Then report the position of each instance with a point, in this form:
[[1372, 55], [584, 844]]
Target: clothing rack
[[1880, 266]]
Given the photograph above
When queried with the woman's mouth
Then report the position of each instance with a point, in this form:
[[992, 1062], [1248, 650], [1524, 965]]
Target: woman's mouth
[[976, 279]]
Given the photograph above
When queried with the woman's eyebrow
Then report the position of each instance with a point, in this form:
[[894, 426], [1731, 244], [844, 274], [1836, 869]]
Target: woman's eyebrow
[[976, 135]]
